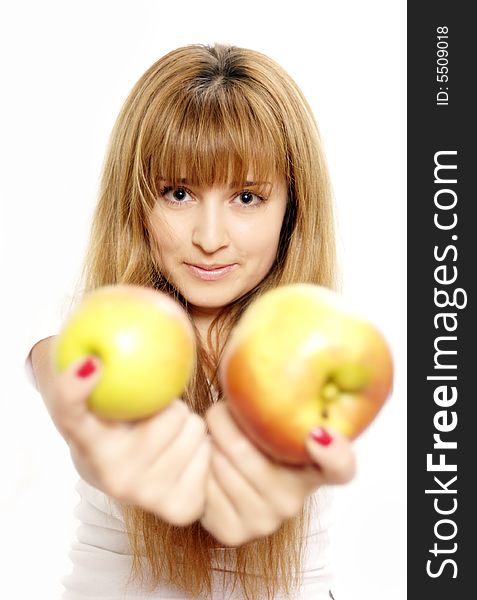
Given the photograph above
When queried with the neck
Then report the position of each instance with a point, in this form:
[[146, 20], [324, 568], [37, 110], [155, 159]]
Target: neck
[[202, 319]]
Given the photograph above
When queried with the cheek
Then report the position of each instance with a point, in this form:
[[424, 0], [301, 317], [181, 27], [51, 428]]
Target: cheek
[[167, 237], [259, 240]]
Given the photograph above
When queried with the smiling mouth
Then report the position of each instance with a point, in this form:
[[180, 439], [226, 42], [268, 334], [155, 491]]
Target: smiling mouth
[[210, 272]]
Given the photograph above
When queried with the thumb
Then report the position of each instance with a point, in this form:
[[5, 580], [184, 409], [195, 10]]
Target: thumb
[[76, 384], [332, 454]]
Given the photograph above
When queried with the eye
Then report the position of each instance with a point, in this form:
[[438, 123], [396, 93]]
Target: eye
[[174, 195], [247, 198]]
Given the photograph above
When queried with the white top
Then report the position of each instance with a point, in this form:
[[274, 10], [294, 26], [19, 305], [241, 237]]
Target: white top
[[101, 556]]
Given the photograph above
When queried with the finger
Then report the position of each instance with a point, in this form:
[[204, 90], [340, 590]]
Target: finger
[[190, 491], [263, 473], [152, 436], [220, 511], [233, 442], [332, 454], [170, 465], [257, 516], [244, 498], [194, 476], [135, 447], [70, 406]]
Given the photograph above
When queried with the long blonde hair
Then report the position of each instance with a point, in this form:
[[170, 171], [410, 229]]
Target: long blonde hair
[[217, 112]]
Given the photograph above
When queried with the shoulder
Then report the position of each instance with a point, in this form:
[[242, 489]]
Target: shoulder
[[95, 503]]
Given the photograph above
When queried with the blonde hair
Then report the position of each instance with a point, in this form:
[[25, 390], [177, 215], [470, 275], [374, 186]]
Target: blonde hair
[[219, 112]]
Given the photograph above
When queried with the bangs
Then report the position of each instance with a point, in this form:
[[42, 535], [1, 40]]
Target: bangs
[[218, 135]]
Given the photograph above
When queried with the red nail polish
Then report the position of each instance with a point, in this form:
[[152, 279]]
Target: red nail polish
[[320, 435], [86, 369]]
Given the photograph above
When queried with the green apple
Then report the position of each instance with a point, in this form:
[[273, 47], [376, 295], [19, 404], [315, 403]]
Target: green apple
[[145, 343], [301, 357]]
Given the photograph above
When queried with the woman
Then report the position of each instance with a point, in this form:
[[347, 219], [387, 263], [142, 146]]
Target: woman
[[214, 189]]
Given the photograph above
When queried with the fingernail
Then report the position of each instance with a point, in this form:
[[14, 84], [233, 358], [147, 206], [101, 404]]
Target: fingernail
[[86, 369], [320, 435]]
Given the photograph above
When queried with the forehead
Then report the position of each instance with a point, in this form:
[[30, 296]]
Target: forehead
[[218, 155], [221, 173], [249, 180]]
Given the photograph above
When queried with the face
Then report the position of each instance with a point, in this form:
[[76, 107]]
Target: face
[[217, 243]]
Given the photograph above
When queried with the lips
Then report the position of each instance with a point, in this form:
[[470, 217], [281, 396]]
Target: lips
[[210, 272], [211, 267]]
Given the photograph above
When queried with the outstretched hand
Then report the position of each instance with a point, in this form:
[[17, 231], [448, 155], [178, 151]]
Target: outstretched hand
[[159, 464], [249, 495]]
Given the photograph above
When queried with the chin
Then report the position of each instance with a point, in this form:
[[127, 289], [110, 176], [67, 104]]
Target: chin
[[209, 303], [214, 295]]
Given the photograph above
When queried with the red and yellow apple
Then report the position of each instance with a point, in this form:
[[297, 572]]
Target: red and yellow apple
[[145, 343], [301, 357]]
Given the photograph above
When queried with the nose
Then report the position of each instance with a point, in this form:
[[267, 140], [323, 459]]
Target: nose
[[210, 232]]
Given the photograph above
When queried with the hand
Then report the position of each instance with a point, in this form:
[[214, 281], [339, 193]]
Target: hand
[[248, 494], [159, 464]]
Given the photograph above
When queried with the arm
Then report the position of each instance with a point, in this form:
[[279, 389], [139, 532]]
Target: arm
[[42, 369], [159, 464]]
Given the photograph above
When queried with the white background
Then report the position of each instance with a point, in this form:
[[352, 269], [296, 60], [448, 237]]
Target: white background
[[66, 69]]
